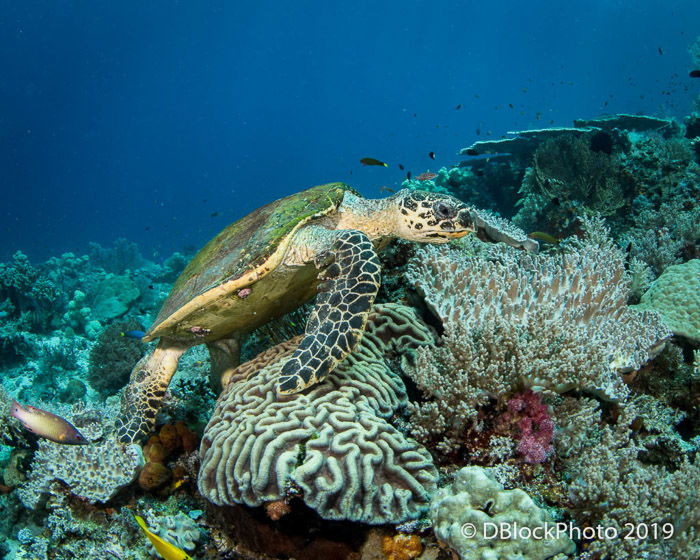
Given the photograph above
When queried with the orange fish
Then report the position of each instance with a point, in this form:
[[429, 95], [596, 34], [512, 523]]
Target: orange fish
[[47, 425]]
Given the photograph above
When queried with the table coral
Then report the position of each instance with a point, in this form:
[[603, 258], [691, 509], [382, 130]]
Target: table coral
[[333, 442], [513, 320]]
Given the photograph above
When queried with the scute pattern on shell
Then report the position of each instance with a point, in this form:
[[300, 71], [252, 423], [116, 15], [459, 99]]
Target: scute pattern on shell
[[334, 441]]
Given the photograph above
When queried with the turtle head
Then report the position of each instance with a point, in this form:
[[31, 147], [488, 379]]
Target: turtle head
[[431, 217]]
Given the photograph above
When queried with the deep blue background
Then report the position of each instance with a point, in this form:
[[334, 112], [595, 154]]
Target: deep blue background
[[142, 119]]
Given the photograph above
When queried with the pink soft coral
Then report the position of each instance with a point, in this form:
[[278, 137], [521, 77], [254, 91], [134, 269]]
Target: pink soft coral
[[535, 426]]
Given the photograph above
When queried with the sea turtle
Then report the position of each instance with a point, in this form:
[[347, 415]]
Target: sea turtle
[[320, 242]]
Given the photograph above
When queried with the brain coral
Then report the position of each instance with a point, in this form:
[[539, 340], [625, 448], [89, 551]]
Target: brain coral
[[675, 295], [333, 442]]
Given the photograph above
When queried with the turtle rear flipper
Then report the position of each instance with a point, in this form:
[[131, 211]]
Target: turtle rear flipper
[[143, 396], [349, 283]]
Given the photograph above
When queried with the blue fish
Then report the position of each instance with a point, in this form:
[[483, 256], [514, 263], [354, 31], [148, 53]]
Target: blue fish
[[134, 334]]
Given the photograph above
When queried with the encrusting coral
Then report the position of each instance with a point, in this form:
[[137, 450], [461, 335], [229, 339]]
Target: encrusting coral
[[513, 321], [333, 443], [468, 514], [675, 295], [95, 472]]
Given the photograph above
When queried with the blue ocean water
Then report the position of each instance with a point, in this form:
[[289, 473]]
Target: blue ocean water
[[163, 121]]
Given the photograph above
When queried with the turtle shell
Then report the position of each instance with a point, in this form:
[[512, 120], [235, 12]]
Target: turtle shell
[[242, 254]]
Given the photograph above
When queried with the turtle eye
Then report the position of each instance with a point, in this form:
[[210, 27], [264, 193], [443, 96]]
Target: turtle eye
[[444, 211]]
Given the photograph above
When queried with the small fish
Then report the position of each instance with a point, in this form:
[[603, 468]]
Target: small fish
[[47, 425], [431, 155], [401, 167], [458, 107], [384, 188], [134, 334], [427, 176], [694, 74], [478, 132], [661, 51], [372, 161], [166, 550], [214, 214], [408, 175], [542, 236]]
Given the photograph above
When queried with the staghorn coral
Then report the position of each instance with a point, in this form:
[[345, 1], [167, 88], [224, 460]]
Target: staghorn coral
[[33, 297], [477, 500], [612, 488], [334, 442], [515, 320]]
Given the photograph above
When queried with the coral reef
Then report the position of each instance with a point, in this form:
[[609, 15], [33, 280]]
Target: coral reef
[[113, 356], [333, 443], [95, 472], [612, 488], [178, 529], [675, 296], [468, 514], [513, 320], [544, 379], [640, 172]]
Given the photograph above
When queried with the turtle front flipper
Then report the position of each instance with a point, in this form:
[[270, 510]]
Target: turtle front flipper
[[349, 283], [143, 396]]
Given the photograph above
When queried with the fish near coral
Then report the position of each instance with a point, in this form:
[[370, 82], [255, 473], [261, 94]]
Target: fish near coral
[[164, 548], [138, 335], [47, 425]]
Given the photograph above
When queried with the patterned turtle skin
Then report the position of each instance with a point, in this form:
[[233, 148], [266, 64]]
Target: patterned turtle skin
[[322, 243]]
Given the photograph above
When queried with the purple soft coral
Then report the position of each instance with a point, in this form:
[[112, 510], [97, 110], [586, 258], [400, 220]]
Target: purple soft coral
[[535, 426]]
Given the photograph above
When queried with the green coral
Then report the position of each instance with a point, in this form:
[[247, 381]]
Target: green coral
[[675, 295]]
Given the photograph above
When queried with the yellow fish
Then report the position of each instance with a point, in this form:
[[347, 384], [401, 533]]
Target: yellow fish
[[164, 548], [542, 236]]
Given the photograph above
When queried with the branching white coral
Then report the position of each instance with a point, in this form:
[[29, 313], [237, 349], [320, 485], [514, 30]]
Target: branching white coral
[[515, 320]]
